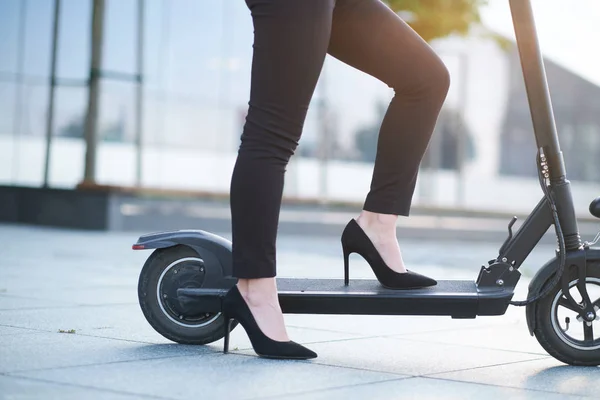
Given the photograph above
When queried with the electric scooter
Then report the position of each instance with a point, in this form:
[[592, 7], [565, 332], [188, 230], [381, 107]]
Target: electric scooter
[[183, 282]]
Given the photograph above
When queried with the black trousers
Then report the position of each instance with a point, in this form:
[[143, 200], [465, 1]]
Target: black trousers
[[291, 40]]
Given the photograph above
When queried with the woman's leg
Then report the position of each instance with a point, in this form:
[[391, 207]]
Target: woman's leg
[[290, 44], [369, 36]]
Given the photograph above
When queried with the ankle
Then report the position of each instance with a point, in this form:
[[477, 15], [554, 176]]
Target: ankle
[[378, 222], [258, 292]]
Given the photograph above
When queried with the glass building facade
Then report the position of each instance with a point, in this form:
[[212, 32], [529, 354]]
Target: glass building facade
[[195, 71], [196, 80]]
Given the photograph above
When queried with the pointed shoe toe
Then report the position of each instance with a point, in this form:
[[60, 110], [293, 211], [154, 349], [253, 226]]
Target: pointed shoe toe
[[304, 352], [288, 350], [408, 280], [422, 280]]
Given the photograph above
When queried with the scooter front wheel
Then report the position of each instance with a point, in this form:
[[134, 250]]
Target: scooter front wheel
[[561, 331], [165, 271]]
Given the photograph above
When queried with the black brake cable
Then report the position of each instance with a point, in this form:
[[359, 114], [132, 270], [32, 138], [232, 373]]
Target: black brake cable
[[561, 242]]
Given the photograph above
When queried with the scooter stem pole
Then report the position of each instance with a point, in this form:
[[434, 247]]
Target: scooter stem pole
[[542, 115], [536, 84]]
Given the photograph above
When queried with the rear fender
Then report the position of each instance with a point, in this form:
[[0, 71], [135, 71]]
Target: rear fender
[[210, 247]]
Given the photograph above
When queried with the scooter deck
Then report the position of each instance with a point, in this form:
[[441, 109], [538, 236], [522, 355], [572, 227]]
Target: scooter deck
[[458, 299]]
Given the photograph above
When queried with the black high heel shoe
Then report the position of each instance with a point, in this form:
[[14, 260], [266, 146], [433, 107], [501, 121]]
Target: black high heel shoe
[[355, 240], [235, 307]]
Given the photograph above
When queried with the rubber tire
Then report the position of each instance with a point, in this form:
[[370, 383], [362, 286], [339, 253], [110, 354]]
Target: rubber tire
[[550, 341], [148, 280]]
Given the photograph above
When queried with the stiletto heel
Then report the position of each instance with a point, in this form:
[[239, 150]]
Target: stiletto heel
[[355, 240], [227, 331], [235, 307], [346, 265]]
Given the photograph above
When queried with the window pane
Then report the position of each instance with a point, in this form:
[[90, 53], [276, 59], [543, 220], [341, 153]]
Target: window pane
[[74, 39], [120, 38], [68, 146], [69, 112], [7, 107], [40, 14], [35, 108], [116, 116], [9, 31], [116, 133]]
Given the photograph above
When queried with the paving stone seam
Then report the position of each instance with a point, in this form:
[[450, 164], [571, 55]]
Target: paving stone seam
[[37, 330], [16, 296], [424, 376], [210, 353], [104, 363], [248, 354], [395, 334], [400, 379], [120, 392], [433, 374], [509, 387], [78, 287], [412, 340], [16, 374], [19, 334], [469, 345], [22, 327], [59, 307], [121, 339], [307, 392], [399, 374], [322, 341], [216, 353]]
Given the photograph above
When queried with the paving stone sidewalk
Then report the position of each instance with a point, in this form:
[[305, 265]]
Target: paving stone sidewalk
[[54, 280]]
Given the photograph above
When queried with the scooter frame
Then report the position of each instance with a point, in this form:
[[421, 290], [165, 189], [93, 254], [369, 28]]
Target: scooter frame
[[490, 294]]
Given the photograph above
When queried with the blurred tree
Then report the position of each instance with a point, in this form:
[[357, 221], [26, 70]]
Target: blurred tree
[[438, 18], [434, 19]]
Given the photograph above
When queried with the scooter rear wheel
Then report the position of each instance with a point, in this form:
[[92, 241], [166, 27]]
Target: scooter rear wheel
[[559, 330], [165, 271]]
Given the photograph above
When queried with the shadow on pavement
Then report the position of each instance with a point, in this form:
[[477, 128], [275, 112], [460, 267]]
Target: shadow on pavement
[[562, 378]]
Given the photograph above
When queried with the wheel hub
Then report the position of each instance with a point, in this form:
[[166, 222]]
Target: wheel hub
[[183, 273], [580, 336]]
